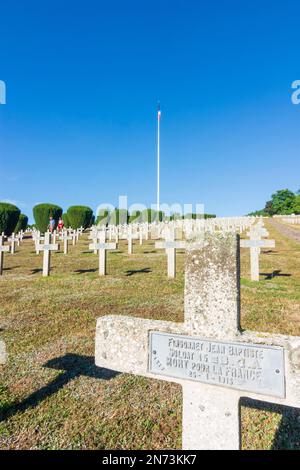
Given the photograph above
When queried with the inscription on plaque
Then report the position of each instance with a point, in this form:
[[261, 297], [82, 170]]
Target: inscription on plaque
[[242, 366]]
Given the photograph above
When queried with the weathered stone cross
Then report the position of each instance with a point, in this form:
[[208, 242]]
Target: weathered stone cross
[[102, 246], [47, 247], [2, 250], [170, 246], [214, 361]]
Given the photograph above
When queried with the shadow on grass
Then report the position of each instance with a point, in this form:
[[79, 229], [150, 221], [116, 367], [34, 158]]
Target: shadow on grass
[[131, 272], [83, 271], [36, 270], [276, 273], [73, 365], [10, 269], [287, 435]]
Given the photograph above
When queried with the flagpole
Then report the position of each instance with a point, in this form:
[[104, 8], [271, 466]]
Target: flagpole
[[158, 159]]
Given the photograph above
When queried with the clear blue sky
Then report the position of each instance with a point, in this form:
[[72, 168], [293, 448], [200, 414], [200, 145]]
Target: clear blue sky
[[83, 80]]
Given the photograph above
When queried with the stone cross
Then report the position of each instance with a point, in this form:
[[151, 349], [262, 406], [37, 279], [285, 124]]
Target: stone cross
[[65, 238], [13, 240], [130, 237], [170, 245], [255, 246], [47, 247], [2, 250], [214, 361], [102, 246]]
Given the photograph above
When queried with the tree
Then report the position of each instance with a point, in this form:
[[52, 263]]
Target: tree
[[42, 214], [80, 216], [9, 216], [269, 209], [283, 201], [22, 223], [296, 207]]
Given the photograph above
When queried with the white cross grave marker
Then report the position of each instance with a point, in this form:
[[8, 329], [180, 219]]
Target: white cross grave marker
[[3, 355], [130, 237], [255, 246], [170, 245], [102, 246], [47, 247], [213, 360], [65, 238], [3, 249], [13, 240]]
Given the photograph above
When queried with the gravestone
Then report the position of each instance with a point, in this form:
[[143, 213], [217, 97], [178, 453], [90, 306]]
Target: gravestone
[[65, 238], [47, 247], [170, 245], [130, 237], [102, 246], [3, 249], [255, 245], [213, 360], [13, 240]]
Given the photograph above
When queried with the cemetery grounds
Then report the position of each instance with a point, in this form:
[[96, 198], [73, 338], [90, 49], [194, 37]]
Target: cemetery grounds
[[51, 394]]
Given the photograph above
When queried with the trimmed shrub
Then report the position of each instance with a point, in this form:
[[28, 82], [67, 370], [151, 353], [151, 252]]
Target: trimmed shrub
[[22, 223], [66, 220], [103, 217], [119, 217], [151, 215], [42, 213], [9, 216], [80, 216], [135, 217]]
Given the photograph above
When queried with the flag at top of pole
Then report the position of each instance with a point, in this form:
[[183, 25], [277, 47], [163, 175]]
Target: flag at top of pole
[[158, 157]]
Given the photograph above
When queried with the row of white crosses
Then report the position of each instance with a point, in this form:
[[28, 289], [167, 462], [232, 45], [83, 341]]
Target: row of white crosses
[[255, 243], [214, 361], [13, 239]]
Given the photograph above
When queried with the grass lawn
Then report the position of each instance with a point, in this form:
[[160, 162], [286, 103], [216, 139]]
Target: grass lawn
[[51, 394]]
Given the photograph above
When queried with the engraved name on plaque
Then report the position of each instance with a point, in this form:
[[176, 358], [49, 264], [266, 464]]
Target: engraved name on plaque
[[241, 366]]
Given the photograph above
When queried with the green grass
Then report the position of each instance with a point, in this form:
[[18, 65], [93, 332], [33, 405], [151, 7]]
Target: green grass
[[53, 397]]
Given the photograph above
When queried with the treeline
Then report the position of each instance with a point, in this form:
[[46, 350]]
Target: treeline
[[12, 220], [283, 202]]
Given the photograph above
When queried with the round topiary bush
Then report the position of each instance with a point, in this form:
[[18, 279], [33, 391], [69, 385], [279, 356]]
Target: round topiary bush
[[119, 217], [42, 213], [9, 216], [79, 216], [22, 223], [66, 220]]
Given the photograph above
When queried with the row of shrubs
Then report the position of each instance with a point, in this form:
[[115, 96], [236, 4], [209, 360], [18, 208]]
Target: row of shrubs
[[11, 219]]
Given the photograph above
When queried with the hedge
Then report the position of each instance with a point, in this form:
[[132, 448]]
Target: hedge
[[80, 216], [42, 213], [66, 220], [119, 217], [22, 223], [9, 216]]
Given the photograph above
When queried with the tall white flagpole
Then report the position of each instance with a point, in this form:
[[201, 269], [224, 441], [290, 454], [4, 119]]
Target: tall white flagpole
[[158, 158]]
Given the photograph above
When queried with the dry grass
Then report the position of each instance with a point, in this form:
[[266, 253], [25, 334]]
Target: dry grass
[[51, 394]]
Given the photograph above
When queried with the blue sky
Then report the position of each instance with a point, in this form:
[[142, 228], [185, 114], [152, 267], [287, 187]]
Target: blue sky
[[83, 80]]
